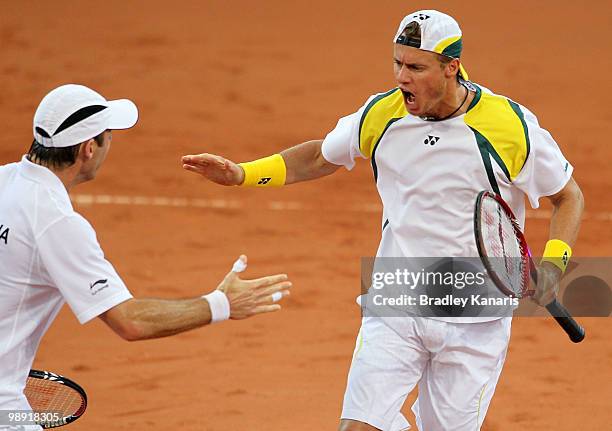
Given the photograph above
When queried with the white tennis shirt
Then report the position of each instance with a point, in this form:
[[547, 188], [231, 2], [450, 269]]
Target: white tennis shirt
[[49, 255], [428, 173]]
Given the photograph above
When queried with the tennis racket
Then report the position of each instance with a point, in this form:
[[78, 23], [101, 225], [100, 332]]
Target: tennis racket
[[48, 392], [504, 252]]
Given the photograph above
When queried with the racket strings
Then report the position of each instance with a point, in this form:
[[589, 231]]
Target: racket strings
[[49, 396], [505, 252]]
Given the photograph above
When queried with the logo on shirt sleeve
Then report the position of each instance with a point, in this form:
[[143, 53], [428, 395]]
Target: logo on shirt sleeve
[[98, 286]]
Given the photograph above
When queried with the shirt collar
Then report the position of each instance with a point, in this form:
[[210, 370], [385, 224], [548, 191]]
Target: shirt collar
[[42, 175]]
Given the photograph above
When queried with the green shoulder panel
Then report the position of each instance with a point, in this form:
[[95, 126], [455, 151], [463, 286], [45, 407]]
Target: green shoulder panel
[[383, 110], [502, 131]]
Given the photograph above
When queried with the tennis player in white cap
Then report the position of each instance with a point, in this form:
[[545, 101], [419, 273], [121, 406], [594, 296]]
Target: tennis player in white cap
[[434, 141], [49, 254]]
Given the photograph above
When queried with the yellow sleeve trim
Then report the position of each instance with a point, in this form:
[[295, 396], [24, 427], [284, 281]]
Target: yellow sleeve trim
[[558, 253], [267, 172]]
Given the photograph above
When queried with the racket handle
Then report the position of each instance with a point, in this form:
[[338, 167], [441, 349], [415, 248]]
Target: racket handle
[[567, 322]]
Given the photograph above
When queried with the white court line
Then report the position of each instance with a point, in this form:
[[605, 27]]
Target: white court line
[[162, 201]]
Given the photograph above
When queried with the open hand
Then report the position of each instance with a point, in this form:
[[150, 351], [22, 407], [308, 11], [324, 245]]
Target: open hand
[[215, 168], [250, 297]]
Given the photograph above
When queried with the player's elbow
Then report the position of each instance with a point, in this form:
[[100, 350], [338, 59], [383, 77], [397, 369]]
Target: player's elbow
[[570, 195], [120, 321], [130, 332]]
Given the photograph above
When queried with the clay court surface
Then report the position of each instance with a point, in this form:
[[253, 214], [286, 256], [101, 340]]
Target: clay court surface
[[246, 79]]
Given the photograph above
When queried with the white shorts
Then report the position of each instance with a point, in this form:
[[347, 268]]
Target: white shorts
[[456, 366]]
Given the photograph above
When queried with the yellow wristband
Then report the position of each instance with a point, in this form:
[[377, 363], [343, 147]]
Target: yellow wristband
[[267, 172], [558, 253]]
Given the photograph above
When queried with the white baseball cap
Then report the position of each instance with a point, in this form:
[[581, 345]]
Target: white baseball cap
[[72, 114], [440, 33]]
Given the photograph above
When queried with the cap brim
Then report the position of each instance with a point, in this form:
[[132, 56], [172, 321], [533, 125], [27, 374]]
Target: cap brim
[[123, 114]]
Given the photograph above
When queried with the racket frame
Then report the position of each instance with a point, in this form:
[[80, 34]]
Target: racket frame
[[61, 380], [575, 332], [525, 255]]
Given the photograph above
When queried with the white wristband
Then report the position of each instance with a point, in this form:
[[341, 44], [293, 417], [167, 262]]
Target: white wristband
[[219, 306]]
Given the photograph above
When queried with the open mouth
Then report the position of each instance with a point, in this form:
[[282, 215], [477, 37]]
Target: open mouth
[[408, 97]]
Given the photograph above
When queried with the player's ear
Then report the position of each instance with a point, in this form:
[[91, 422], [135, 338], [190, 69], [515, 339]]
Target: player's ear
[[87, 149], [452, 68]]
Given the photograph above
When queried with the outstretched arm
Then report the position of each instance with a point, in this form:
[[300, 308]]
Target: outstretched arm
[[303, 162], [140, 319]]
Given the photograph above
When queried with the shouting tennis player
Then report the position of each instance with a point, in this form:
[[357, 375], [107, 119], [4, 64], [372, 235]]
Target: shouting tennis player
[[49, 254], [434, 142]]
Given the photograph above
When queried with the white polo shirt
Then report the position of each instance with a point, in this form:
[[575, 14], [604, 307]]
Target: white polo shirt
[[49, 255]]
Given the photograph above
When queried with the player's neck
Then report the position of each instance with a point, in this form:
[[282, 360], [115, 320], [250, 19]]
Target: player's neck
[[69, 176], [454, 104]]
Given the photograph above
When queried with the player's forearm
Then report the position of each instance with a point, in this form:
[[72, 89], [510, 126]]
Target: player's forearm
[[568, 206], [306, 162], [300, 163], [154, 318]]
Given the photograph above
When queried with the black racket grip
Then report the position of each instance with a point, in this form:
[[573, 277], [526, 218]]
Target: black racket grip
[[567, 322]]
